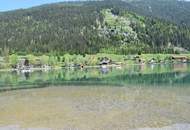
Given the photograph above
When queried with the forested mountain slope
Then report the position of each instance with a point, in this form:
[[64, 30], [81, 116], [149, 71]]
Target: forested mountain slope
[[89, 27], [176, 11]]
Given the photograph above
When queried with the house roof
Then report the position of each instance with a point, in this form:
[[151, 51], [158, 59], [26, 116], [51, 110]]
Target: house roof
[[179, 57]]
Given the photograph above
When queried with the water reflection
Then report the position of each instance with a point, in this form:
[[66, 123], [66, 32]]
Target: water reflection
[[104, 70], [27, 75], [139, 75]]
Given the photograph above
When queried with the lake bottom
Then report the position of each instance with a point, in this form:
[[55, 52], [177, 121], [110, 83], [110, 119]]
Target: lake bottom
[[96, 108]]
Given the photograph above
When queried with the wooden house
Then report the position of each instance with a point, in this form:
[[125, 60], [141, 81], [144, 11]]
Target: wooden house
[[23, 64], [180, 58], [105, 61]]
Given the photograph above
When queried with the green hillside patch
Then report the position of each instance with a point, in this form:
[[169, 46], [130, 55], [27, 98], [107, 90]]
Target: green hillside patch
[[90, 27], [118, 26]]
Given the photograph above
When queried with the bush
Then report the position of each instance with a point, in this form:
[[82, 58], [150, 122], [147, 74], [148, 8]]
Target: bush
[[13, 59]]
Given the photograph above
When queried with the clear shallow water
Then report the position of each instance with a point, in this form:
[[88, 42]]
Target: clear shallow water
[[133, 98]]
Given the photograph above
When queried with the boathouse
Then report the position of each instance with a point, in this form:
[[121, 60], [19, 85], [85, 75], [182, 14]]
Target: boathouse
[[23, 64], [105, 61], [180, 58]]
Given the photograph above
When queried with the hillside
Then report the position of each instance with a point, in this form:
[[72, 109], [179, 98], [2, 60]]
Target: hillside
[[176, 11], [89, 27]]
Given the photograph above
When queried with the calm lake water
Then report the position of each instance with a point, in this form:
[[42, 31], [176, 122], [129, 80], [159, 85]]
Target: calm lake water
[[139, 97]]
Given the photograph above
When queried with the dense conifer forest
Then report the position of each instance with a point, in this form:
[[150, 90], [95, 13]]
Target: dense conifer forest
[[109, 26]]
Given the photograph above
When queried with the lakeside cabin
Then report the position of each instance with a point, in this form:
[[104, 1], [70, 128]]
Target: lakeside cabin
[[23, 64], [180, 58], [105, 61]]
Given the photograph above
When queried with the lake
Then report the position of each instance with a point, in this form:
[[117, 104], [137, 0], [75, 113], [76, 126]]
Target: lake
[[135, 97]]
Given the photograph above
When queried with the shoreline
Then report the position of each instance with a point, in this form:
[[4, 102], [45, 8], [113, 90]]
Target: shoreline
[[184, 126], [46, 62], [88, 67]]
